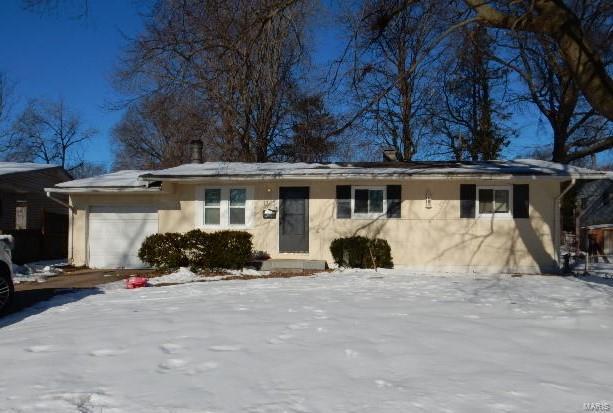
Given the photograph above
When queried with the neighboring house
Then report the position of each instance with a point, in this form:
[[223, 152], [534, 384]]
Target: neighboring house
[[594, 220], [39, 224], [443, 216]]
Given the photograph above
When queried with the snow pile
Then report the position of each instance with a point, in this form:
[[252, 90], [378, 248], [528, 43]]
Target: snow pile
[[37, 271], [181, 276], [185, 275], [389, 341]]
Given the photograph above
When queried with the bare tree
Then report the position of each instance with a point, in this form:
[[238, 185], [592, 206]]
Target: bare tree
[[3, 97], [6, 103], [238, 58], [551, 18], [578, 131], [468, 112], [88, 169], [154, 132], [47, 131], [309, 139], [397, 57], [563, 27]]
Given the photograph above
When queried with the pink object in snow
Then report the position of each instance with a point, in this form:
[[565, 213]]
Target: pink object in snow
[[136, 282]]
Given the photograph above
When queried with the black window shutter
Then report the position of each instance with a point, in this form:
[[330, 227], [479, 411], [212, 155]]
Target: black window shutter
[[343, 201], [521, 201], [394, 201], [468, 200]]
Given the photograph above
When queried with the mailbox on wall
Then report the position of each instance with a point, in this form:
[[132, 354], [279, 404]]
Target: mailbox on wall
[[270, 213]]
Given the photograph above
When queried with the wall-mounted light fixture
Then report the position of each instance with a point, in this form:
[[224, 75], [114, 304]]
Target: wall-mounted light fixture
[[428, 199]]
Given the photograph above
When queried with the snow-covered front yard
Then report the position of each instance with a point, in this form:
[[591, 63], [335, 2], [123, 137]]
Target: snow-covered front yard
[[340, 342]]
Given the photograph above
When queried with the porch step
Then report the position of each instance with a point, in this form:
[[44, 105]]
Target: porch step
[[286, 264]]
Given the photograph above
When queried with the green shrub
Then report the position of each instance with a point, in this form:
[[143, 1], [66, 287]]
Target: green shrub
[[197, 248], [217, 250], [361, 252], [163, 251]]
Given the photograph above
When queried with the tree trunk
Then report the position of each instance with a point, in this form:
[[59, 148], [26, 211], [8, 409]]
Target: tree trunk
[[559, 22], [560, 137]]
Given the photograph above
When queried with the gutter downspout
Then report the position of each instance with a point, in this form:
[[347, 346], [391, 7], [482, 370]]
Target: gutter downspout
[[59, 201], [556, 222], [72, 210]]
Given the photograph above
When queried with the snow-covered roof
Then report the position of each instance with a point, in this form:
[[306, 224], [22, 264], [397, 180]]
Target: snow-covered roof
[[19, 167], [134, 180], [425, 169], [127, 180]]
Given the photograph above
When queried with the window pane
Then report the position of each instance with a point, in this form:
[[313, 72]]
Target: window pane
[[211, 216], [502, 201], [237, 216], [361, 201], [212, 197], [238, 197], [486, 198], [376, 201]]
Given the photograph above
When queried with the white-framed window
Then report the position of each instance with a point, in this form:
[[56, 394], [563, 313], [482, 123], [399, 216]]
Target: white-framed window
[[238, 206], [21, 215], [368, 201], [225, 207], [494, 201], [212, 206]]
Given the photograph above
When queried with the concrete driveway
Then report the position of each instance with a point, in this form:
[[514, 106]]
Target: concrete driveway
[[30, 293]]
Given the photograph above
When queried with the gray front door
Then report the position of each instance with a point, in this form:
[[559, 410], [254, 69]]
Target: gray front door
[[294, 219]]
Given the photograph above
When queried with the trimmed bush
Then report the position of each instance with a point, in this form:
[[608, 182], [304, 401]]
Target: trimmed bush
[[163, 251], [197, 249], [218, 250], [230, 249], [361, 252]]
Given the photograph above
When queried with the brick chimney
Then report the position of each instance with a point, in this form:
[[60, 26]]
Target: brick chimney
[[196, 147]]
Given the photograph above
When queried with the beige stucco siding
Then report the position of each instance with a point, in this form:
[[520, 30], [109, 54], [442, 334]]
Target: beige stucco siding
[[433, 238]]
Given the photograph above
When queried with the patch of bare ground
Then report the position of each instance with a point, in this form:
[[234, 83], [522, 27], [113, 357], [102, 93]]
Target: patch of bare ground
[[273, 274]]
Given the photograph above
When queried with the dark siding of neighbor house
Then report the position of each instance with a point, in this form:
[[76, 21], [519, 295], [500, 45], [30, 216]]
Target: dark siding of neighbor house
[[29, 187], [46, 233]]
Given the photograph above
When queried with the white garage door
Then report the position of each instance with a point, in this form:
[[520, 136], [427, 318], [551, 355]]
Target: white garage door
[[116, 233]]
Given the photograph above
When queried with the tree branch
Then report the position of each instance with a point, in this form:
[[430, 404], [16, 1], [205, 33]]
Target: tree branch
[[597, 147]]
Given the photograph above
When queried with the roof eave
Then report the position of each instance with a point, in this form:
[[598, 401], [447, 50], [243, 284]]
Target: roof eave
[[105, 190], [202, 178]]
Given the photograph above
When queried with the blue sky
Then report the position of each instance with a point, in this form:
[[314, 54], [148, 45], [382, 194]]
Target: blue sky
[[54, 56]]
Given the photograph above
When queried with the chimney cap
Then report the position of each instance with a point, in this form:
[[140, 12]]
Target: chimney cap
[[390, 154]]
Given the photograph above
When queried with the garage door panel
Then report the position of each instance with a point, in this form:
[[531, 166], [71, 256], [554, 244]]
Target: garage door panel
[[122, 230], [100, 210], [116, 234]]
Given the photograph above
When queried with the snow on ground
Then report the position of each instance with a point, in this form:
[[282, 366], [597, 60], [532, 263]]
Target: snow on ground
[[37, 271], [184, 275], [356, 341], [602, 269]]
